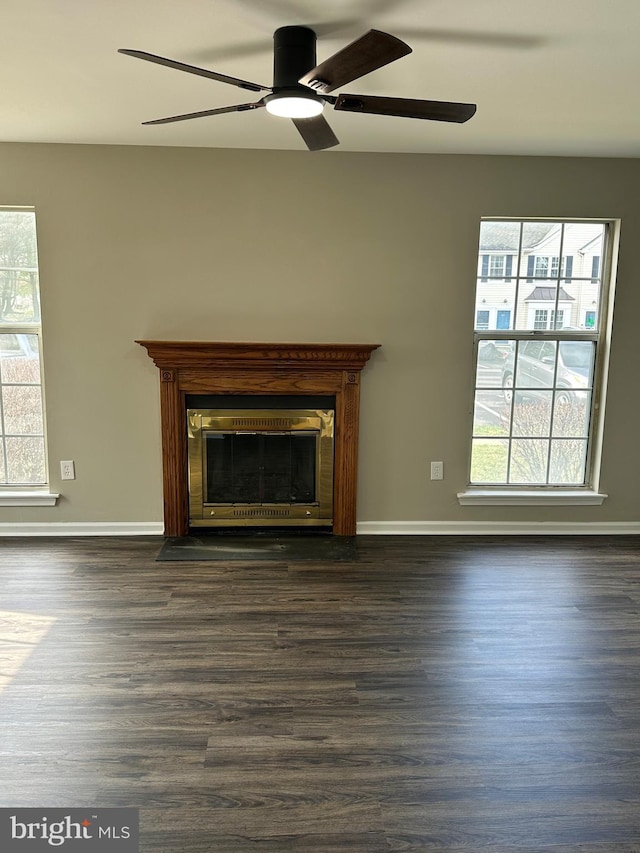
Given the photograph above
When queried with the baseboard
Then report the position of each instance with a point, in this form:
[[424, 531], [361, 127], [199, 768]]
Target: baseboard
[[81, 528], [382, 528], [498, 528]]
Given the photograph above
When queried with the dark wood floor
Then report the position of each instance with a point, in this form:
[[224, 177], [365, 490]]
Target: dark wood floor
[[438, 694]]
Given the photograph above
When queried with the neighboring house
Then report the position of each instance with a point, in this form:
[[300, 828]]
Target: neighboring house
[[573, 267]]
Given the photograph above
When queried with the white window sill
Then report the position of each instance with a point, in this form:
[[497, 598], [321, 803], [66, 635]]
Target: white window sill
[[28, 497], [530, 497]]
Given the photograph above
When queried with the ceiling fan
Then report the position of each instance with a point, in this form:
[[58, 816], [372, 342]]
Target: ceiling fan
[[301, 88]]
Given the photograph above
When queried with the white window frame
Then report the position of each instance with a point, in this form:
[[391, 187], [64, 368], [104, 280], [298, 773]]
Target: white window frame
[[550, 319], [553, 495], [28, 494], [497, 266]]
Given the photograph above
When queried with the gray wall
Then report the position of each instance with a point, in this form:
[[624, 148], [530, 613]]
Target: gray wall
[[205, 244]]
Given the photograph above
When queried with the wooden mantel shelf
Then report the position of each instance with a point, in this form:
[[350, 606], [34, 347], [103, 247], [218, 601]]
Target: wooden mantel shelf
[[203, 367], [216, 354]]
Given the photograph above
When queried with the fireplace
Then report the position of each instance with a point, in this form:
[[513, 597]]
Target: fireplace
[[264, 467], [247, 376]]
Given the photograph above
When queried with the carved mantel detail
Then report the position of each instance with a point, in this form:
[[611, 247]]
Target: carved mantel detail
[[197, 367]]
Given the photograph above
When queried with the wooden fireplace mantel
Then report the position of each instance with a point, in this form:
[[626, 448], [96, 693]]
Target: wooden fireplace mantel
[[198, 367]]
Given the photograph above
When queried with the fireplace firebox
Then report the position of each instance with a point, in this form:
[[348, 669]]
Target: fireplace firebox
[[264, 468]]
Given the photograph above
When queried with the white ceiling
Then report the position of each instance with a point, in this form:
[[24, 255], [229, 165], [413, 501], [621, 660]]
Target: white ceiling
[[557, 77]]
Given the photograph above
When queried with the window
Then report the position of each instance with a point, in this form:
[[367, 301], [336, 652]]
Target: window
[[22, 441], [547, 319], [540, 319], [543, 266], [537, 389], [482, 319], [495, 266]]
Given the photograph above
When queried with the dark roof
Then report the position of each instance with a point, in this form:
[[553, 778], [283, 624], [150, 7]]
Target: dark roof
[[548, 294], [504, 236]]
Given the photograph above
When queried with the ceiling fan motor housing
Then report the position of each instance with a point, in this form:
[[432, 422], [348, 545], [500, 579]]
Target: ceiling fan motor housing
[[294, 53]]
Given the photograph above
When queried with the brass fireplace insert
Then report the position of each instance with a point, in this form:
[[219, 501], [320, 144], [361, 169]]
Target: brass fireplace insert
[[254, 467]]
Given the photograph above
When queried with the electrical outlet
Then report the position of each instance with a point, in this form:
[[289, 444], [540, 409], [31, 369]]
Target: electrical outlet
[[437, 470], [68, 470]]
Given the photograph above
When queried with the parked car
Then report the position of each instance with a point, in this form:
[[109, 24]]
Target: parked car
[[536, 369], [489, 352]]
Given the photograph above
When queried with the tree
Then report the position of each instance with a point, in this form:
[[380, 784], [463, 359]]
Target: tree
[[530, 449], [18, 268]]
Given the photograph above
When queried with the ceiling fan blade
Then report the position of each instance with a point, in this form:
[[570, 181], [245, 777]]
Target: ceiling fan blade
[[316, 132], [406, 108], [236, 108], [193, 69], [372, 50]]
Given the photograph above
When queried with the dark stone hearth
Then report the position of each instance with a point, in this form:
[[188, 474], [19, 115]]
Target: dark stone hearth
[[259, 547]]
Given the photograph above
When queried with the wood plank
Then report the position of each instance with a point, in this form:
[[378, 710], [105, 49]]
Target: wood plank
[[457, 694]]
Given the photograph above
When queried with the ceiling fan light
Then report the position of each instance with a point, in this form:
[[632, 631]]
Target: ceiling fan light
[[290, 106]]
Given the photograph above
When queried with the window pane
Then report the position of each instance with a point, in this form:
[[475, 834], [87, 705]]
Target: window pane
[[567, 461], [499, 237], [491, 414], [489, 460], [571, 416], [529, 461], [532, 417], [493, 356], [19, 298], [576, 361], [535, 364], [25, 461], [19, 359], [22, 406]]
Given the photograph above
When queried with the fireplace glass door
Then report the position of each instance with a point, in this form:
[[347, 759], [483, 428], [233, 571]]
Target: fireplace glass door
[[258, 468]]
